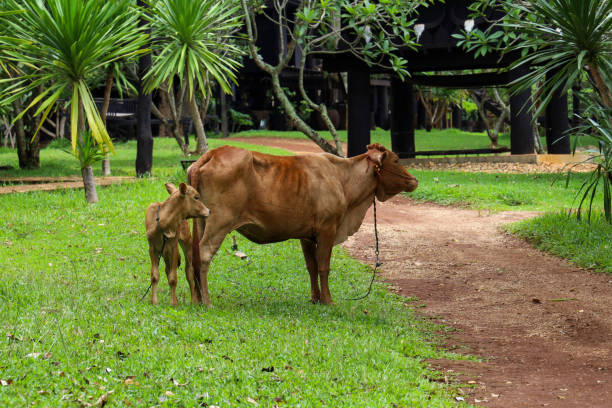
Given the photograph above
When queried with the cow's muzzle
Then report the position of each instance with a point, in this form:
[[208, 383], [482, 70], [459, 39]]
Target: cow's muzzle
[[411, 184]]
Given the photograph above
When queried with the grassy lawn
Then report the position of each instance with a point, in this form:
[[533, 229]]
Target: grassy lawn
[[73, 327], [55, 161], [587, 245], [498, 192], [446, 139]]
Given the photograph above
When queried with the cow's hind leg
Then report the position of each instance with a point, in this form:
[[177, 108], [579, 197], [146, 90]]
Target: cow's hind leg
[[325, 243], [309, 249], [154, 274], [214, 234]]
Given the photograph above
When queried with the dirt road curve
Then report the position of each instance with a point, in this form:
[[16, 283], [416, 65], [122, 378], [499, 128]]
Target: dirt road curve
[[543, 326]]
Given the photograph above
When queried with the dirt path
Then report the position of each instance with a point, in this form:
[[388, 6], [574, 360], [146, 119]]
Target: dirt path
[[28, 184], [542, 326]]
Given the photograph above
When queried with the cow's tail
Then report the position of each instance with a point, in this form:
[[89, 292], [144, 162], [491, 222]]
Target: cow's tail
[[193, 179]]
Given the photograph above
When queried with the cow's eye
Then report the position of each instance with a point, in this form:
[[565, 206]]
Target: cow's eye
[[196, 198]]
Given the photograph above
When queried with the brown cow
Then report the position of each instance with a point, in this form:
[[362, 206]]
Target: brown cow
[[320, 199], [166, 223]]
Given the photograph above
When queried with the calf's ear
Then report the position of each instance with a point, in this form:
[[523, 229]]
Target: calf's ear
[[170, 188], [183, 188]]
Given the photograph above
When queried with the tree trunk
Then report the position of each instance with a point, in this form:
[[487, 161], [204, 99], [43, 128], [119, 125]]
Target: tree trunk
[[106, 168], [295, 119], [601, 85], [202, 144], [28, 150], [91, 195], [144, 135], [224, 128]]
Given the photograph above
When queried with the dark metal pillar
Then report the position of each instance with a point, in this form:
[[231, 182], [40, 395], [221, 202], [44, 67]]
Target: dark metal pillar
[[383, 107], [521, 132], [358, 134], [403, 118], [557, 123]]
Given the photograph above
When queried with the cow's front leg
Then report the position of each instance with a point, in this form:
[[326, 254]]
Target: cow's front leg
[[209, 245], [171, 260], [154, 274], [325, 243], [309, 249]]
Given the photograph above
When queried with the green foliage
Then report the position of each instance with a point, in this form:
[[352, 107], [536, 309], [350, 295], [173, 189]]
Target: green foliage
[[64, 46], [194, 39], [75, 299], [588, 245], [88, 151], [597, 126]]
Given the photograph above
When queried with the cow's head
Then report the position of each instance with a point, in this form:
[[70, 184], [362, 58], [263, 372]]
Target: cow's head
[[189, 202], [392, 176]]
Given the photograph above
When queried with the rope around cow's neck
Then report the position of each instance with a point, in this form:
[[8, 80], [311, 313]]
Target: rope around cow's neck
[[376, 265]]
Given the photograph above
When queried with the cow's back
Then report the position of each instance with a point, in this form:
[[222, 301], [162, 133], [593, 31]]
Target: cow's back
[[270, 198]]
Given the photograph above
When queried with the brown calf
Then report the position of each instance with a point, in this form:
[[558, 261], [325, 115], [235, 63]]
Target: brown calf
[[167, 226]]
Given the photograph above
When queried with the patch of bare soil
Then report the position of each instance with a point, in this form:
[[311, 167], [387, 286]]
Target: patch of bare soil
[[28, 184], [542, 326], [293, 145]]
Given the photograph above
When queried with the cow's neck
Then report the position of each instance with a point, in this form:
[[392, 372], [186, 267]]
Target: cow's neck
[[361, 182], [360, 185]]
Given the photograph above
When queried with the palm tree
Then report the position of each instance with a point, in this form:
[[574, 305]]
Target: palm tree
[[194, 41], [67, 44], [563, 41]]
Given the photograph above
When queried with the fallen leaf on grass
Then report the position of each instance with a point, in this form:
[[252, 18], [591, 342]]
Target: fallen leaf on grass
[[178, 384], [4, 383], [252, 401], [33, 355], [101, 401]]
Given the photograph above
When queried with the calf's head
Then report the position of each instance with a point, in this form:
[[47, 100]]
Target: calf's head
[[189, 203], [392, 176]]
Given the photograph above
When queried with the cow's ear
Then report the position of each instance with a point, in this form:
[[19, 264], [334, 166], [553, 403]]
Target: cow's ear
[[183, 188], [377, 156], [170, 188]]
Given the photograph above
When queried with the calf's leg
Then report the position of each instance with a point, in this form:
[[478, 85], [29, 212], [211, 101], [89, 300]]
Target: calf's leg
[[186, 248], [309, 249], [171, 260], [154, 274]]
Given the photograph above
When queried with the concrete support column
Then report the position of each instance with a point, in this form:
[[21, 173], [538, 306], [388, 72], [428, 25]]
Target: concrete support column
[[403, 118], [358, 134]]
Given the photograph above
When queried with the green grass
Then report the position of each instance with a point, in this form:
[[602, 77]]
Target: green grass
[[586, 244], [446, 139], [55, 161], [71, 279], [498, 192]]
